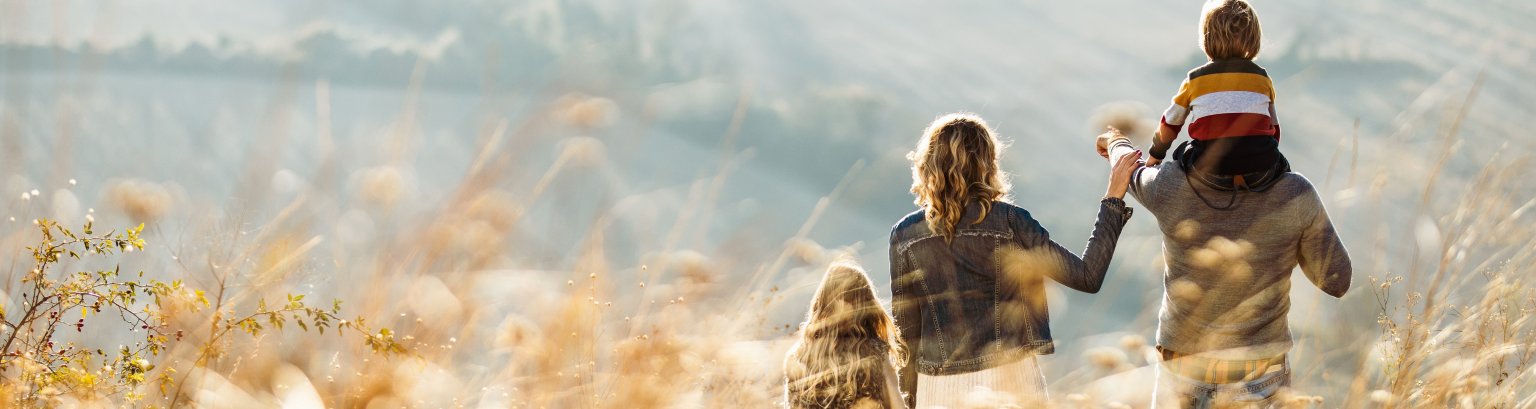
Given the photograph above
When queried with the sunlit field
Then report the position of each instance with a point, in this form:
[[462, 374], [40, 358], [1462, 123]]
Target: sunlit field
[[574, 203]]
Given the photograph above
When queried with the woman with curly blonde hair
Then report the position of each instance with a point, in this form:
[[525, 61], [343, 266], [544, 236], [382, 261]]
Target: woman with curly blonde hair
[[968, 271], [847, 351]]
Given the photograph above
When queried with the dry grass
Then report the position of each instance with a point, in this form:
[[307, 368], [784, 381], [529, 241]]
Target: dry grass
[[492, 318]]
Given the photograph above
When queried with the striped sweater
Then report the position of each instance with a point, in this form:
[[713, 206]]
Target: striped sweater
[[1228, 105]]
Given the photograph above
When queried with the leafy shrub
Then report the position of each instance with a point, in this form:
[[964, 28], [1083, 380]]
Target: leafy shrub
[[37, 368]]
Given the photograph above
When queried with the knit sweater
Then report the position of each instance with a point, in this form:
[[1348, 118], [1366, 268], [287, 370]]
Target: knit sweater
[[1227, 282], [1229, 107]]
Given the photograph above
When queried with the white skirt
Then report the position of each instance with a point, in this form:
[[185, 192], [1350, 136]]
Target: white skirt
[[1015, 384]]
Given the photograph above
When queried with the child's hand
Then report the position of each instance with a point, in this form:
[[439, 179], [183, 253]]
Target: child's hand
[[1102, 142], [1151, 161]]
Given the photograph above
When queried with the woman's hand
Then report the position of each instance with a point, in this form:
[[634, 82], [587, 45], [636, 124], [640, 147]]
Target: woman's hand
[[1120, 173]]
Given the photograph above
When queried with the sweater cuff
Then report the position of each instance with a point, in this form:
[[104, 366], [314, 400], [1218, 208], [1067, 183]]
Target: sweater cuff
[[1121, 141], [1158, 151], [1118, 205]]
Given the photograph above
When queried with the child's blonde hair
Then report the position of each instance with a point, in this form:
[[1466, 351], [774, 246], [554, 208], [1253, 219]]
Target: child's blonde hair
[[1229, 29], [845, 343]]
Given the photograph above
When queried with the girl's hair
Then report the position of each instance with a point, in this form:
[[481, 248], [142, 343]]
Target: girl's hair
[[845, 343], [1229, 29], [956, 163]]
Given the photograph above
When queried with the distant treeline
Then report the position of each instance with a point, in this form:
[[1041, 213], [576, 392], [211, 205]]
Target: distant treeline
[[479, 50]]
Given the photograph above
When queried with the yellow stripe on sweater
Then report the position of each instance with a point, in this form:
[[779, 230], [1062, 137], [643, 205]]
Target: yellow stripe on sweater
[[1231, 81]]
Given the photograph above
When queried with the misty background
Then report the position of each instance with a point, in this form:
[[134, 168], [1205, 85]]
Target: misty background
[[227, 111]]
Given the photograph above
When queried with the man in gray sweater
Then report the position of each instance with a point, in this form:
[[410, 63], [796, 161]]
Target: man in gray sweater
[[1231, 243]]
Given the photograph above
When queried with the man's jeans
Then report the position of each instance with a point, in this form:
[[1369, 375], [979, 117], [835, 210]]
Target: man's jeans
[[1262, 392]]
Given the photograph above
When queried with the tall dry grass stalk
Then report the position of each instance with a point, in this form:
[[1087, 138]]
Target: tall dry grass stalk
[[1459, 326]]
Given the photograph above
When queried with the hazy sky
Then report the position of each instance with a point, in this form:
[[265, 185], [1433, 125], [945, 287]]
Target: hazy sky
[[829, 84]]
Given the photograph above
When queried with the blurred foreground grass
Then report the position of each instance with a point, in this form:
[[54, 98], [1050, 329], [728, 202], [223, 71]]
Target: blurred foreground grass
[[470, 316]]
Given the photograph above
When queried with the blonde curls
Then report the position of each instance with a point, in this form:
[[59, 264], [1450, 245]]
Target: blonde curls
[[845, 343], [956, 163]]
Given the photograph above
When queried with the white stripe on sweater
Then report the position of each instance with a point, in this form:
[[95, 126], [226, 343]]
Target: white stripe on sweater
[[1228, 102], [1175, 115]]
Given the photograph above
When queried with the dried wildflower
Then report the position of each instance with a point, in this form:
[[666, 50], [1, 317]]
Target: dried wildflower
[[383, 186], [584, 150], [586, 111], [1133, 342], [142, 201], [1381, 396], [1106, 358], [1132, 118], [1186, 229]]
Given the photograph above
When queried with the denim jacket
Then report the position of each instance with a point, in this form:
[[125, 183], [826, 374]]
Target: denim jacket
[[978, 301]]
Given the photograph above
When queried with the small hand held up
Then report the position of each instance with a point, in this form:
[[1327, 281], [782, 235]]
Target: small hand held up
[[1102, 142], [1120, 168]]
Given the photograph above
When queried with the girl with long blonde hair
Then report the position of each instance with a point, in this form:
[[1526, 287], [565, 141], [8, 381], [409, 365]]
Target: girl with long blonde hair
[[847, 350], [968, 271]]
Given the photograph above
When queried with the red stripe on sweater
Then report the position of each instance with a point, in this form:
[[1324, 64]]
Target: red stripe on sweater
[[1165, 123], [1226, 125]]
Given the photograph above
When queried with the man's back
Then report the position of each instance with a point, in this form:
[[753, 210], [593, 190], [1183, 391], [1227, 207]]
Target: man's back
[[1230, 255]]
